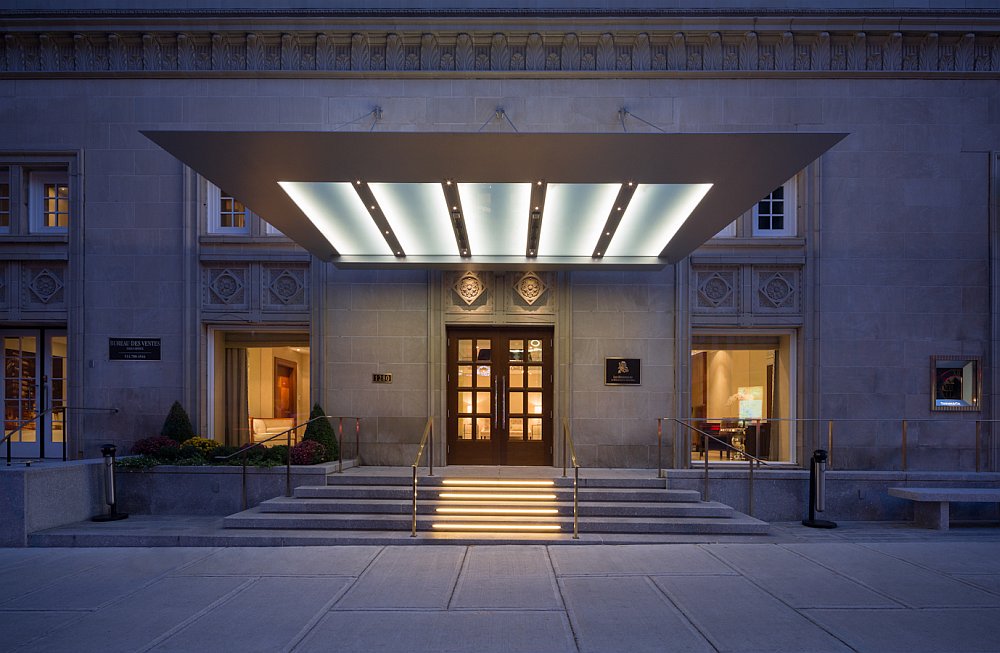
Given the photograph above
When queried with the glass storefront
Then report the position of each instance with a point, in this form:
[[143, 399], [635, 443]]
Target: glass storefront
[[742, 394]]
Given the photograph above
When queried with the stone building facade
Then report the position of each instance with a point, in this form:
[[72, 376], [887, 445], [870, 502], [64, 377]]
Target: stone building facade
[[829, 299]]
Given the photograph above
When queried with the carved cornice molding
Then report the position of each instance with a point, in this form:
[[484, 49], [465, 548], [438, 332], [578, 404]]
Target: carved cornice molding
[[600, 51]]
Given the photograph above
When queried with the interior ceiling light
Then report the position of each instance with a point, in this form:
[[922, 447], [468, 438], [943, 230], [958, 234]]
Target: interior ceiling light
[[684, 189]]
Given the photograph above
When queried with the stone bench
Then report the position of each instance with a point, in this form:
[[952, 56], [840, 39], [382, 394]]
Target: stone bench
[[933, 503]]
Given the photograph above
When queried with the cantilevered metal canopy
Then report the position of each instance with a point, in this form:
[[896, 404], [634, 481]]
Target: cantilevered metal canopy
[[498, 201]]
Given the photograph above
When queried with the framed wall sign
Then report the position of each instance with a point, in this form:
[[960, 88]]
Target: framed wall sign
[[133, 349], [622, 371], [956, 383]]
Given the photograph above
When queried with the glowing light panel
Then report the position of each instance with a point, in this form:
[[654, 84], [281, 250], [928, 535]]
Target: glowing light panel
[[653, 216], [496, 217], [574, 217], [339, 214], [418, 216]]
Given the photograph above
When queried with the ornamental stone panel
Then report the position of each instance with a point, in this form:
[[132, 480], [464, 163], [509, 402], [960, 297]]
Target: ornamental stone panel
[[43, 286], [716, 289], [285, 288], [226, 288], [777, 290]]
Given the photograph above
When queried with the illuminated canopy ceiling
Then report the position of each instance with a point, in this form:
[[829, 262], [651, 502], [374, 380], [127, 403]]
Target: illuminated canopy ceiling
[[498, 201]]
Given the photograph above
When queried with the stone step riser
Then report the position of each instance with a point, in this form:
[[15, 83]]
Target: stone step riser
[[427, 494], [690, 526], [321, 506], [337, 480]]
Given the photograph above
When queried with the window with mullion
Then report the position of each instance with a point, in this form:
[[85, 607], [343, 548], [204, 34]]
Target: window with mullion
[[4, 200]]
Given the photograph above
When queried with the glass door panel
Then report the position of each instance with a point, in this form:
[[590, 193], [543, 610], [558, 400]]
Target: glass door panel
[[20, 393]]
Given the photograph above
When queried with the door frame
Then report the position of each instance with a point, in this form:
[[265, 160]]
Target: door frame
[[44, 445], [501, 450]]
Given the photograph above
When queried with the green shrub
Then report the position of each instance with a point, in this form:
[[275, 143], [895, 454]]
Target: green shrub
[[177, 426], [201, 446], [321, 431]]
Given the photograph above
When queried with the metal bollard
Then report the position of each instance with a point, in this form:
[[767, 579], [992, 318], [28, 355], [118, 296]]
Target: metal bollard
[[108, 451], [817, 491]]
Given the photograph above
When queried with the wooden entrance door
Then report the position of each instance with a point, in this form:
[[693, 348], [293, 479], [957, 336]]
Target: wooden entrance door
[[284, 388], [500, 396]]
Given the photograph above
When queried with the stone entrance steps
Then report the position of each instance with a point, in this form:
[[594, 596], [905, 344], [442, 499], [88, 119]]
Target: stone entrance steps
[[359, 502]]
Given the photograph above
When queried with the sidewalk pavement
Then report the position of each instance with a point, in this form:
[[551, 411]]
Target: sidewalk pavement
[[862, 587]]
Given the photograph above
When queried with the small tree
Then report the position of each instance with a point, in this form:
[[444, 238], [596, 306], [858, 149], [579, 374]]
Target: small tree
[[321, 431], [177, 426]]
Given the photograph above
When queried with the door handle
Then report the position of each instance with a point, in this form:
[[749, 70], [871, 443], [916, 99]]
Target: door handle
[[496, 403], [503, 413]]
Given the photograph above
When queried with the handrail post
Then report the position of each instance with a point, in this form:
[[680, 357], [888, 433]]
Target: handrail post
[[659, 447], [430, 451], [979, 437], [65, 431], [288, 465], [903, 445], [750, 487], [243, 494], [413, 527], [829, 444], [357, 440], [576, 502], [705, 489], [564, 447], [340, 445]]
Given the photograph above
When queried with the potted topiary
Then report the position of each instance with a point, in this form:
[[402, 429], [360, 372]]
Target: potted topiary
[[320, 430], [177, 426]]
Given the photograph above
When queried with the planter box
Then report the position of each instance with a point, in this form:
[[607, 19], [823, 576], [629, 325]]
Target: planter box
[[209, 490]]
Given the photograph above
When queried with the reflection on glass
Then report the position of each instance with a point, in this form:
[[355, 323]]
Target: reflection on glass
[[535, 351], [516, 429], [483, 402], [482, 376], [517, 350], [535, 403], [464, 428], [465, 376], [483, 428], [534, 377], [534, 428], [483, 350], [516, 376], [516, 403], [465, 402], [464, 349]]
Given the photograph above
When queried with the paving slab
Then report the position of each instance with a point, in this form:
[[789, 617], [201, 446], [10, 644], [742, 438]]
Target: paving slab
[[27, 578], [798, 582], [635, 559], [123, 572], [626, 613], [735, 615], [440, 632], [268, 615], [139, 620], [20, 628], [946, 557], [407, 577], [507, 577], [902, 581], [285, 561], [915, 631]]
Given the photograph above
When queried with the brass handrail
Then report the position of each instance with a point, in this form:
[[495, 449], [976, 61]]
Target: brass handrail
[[568, 446], [428, 436], [288, 456], [750, 458], [23, 424]]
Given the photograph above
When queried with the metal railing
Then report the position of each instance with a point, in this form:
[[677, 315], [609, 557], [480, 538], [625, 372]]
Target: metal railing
[[427, 437], [50, 411], [287, 434], [751, 460], [568, 447]]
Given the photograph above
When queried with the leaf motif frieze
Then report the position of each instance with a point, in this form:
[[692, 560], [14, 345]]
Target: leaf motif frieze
[[599, 51]]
